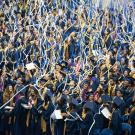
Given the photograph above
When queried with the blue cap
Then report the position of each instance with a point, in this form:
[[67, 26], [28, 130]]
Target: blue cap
[[105, 98], [118, 101], [48, 93], [89, 105], [74, 102], [106, 131]]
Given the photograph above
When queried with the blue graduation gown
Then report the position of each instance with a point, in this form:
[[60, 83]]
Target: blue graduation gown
[[59, 124], [86, 123], [1, 60], [72, 127], [20, 117], [132, 119], [35, 119], [116, 122], [46, 113]]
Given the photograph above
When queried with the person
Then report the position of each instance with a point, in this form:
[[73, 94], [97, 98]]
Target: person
[[20, 114], [87, 118], [132, 120], [46, 110], [106, 131], [33, 120], [59, 124], [82, 50], [84, 91], [117, 123], [72, 120], [7, 114], [117, 118]]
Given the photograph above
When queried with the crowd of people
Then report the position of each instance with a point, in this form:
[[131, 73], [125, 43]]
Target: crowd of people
[[83, 57]]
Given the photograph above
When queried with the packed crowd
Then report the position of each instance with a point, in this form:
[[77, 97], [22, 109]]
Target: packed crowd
[[83, 57]]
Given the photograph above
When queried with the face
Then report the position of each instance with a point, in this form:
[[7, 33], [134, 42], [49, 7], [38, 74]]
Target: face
[[58, 68], [10, 88], [119, 94], [20, 67], [111, 81], [125, 52], [85, 86], [115, 68], [19, 81], [91, 97], [126, 83], [122, 61], [125, 73], [72, 83]]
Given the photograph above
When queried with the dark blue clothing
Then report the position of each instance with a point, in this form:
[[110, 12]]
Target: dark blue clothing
[[132, 119], [72, 126], [59, 124], [86, 123], [35, 119], [20, 117], [116, 122], [46, 113]]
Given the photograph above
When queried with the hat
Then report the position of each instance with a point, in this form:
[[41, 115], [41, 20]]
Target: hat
[[117, 101], [105, 98], [128, 79], [73, 101], [89, 105], [85, 82], [106, 131], [64, 97], [48, 93]]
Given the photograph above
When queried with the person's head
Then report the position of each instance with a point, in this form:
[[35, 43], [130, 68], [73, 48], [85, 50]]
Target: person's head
[[115, 68], [20, 67], [122, 61], [119, 93], [36, 42], [91, 97], [19, 80], [115, 106], [62, 100], [73, 103], [125, 52], [47, 96], [58, 67], [10, 88], [126, 73], [72, 83], [85, 85], [34, 94], [126, 83], [111, 81]]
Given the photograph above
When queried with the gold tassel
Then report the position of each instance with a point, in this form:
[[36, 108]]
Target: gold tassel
[[52, 127], [66, 55], [84, 114], [43, 124], [28, 119]]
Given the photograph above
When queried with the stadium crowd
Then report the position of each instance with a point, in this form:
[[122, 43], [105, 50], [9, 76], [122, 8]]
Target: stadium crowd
[[81, 61]]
